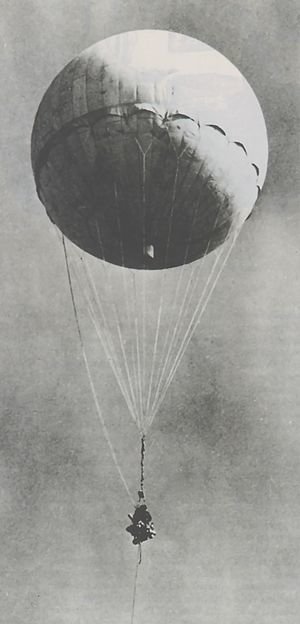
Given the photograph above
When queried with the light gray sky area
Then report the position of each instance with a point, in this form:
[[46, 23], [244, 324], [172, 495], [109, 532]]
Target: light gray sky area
[[222, 463]]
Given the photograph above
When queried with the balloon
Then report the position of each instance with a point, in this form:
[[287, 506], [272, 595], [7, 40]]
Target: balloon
[[149, 149]]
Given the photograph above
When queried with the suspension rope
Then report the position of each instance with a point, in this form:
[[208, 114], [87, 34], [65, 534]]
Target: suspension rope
[[122, 254], [139, 372], [187, 336], [126, 296], [143, 154], [157, 331], [114, 369], [130, 324], [90, 378], [179, 325], [168, 344], [121, 340], [138, 356], [197, 316], [116, 197], [109, 351], [188, 295], [119, 333], [164, 359], [172, 210], [135, 364]]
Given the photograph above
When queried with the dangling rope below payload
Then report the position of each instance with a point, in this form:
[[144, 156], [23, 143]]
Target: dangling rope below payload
[[138, 563]]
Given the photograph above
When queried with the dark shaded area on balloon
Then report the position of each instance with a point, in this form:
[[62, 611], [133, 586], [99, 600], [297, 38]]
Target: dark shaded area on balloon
[[109, 193]]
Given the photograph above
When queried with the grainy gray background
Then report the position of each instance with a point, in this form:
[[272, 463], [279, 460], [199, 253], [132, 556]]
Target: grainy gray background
[[223, 465]]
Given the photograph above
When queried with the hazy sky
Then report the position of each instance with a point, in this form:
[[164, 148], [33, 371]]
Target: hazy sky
[[223, 466]]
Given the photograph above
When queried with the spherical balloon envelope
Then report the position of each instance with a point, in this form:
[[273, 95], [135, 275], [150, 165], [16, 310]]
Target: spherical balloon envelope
[[149, 149]]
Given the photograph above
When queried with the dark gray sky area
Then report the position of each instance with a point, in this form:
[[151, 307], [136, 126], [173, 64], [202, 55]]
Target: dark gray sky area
[[222, 469]]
